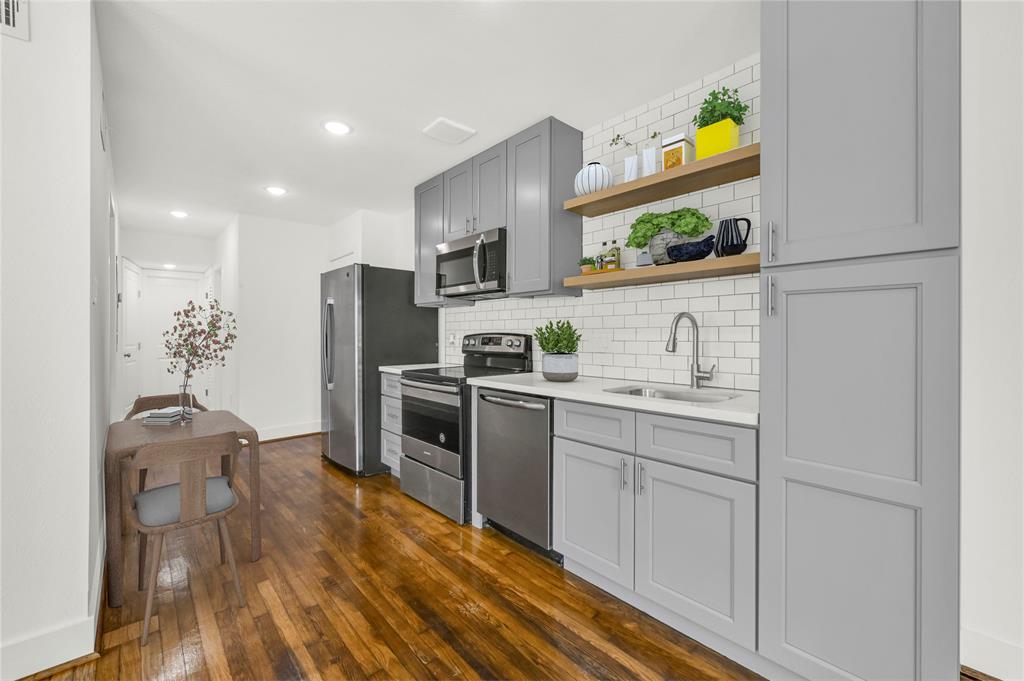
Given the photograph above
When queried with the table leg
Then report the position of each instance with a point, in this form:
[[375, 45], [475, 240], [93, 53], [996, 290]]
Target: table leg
[[115, 548], [254, 496]]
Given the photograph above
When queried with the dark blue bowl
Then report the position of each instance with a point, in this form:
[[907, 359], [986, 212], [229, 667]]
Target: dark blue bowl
[[691, 250]]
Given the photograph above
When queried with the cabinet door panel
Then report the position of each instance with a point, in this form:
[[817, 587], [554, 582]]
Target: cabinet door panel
[[593, 509], [529, 209], [714, 447], [458, 200], [695, 547], [489, 189], [859, 469], [604, 426], [429, 226], [889, 182]]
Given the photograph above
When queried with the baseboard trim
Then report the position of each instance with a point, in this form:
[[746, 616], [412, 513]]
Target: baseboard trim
[[999, 659], [280, 432], [289, 437]]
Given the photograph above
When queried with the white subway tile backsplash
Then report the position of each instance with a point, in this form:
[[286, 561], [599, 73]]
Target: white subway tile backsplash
[[624, 330]]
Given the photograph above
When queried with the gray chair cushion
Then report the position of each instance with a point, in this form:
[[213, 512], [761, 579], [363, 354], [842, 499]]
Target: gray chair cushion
[[162, 505]]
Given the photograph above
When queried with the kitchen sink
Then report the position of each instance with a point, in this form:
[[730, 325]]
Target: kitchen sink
[[678, 394]]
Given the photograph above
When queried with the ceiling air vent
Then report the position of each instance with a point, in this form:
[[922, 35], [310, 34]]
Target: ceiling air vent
[[15, 18], [449, 131]]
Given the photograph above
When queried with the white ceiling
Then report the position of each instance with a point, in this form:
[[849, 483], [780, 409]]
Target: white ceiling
[[211, 101]]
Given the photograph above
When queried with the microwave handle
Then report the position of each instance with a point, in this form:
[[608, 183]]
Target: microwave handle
[[476, 262]]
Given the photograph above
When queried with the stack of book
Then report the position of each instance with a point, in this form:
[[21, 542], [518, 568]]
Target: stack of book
[[163, 417]]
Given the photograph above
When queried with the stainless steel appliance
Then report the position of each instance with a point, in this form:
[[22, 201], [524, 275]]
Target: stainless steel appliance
[[473, 267], [368, 319], [514, 463], [436, 404]]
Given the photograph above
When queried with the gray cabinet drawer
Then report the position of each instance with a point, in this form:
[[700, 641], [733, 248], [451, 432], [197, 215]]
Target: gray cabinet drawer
[[390, 449], [391, 414], [713, 447], [390, 385], [603, 426]]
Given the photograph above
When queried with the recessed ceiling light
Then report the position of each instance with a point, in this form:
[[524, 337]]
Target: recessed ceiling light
[[169, 265], [180, 214], [337, 128], [276, 191]]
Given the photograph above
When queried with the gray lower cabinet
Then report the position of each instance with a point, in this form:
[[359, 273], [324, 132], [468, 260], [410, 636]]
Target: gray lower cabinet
[[489, 187], [390, 420], [544, 240], [597, 425], [458, 201], [714, 447], [391, 414], [903, 175], [592, 513], [390, 449], [695, 547], [391, 385], [858, 540]]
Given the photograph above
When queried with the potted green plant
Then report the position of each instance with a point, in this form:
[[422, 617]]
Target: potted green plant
[[718, 122], [658, 231], [559, 341], [586, 264]]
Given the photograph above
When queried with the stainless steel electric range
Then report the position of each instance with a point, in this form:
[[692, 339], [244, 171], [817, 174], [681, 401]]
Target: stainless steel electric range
[[436, 404]]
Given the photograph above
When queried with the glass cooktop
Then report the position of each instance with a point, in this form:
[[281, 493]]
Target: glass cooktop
[[455, 374]]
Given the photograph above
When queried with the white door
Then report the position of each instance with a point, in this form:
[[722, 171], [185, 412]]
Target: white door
[[129, 325], [163, 293], [593, 508]]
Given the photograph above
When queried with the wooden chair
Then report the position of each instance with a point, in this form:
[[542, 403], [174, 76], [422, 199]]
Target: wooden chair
[[195, 499], [151, 402]]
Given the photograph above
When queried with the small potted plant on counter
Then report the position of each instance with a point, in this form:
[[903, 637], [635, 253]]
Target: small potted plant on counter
[[718, 122], [586, 265], [559, 342]]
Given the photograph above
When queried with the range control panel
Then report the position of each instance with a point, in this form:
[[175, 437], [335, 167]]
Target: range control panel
[[516, 343]]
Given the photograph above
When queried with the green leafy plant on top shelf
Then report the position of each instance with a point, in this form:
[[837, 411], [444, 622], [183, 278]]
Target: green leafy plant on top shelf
[[719, 105], [586, 260], [685, 221], [559, 338]]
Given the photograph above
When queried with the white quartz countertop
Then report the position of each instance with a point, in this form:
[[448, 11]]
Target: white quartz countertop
[[742, 410], [399, 368]]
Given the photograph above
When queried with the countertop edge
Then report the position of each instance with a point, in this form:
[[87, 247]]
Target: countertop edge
[[399, 368]]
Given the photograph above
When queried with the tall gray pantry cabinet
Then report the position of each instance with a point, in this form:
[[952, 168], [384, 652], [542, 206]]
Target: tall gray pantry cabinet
[[859, 457]]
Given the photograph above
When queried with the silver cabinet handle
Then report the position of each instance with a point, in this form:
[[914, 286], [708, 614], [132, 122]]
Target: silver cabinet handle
[[476, 263], [623, 475], [451, 390], [640, 480], [771, 296], [518, 404], [771, 241]]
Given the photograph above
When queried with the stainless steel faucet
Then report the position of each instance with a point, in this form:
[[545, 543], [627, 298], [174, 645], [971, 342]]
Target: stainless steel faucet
[[697, 377]]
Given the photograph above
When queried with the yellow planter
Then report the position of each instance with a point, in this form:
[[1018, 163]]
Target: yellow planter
[[716, 138]]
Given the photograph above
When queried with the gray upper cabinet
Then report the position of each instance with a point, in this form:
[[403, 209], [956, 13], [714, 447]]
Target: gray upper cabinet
[[458, 201], [544, 240], [859, 468], [489, 187], [592, 509], [429, 231], [695, 547], [859, 137]]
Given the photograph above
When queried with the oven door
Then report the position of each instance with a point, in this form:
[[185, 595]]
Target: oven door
[[431, 425], [473, 265]]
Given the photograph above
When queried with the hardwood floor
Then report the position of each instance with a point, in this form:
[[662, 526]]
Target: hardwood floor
[[358, 581]]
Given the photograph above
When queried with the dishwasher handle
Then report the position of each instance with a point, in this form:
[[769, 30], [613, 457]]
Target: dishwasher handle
[[518, 404]]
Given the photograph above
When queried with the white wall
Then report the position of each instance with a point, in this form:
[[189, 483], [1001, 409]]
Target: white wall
[[55, 252], [148, 248], [992, 365], [278, 311], [373, 238], [624, 330], [227, 258]]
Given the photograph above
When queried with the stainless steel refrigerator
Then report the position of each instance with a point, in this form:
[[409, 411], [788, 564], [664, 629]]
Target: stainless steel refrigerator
[[368, 320]]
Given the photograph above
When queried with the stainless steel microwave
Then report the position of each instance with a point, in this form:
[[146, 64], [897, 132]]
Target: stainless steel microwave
[[473, 266]]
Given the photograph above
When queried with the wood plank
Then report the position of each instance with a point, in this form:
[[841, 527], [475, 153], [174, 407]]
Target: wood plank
[[729, 166], [745, 263]]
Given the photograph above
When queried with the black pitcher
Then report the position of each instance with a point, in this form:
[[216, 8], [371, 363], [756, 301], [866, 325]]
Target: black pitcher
[[729, 241]]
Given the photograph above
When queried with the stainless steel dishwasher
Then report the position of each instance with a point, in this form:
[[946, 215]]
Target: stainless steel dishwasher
[[514, 463]]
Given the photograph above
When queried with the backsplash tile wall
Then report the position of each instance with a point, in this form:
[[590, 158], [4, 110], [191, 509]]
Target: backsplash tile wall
[[625, 329]]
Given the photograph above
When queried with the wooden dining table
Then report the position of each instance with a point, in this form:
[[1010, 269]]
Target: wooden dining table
[[124, 438]]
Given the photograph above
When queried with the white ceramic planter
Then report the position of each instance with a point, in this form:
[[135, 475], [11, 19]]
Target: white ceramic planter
[[560, 367], [592, 178]]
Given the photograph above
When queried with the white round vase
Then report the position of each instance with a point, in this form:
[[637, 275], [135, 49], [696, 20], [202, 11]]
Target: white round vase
[[592, 178], [560, 367]]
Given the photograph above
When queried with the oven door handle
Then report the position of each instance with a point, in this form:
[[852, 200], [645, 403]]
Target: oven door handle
[[518, 404], [476, 262], [451, 390]]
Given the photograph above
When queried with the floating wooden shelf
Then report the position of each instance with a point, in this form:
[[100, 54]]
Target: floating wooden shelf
[[729, 166], [745, 263]]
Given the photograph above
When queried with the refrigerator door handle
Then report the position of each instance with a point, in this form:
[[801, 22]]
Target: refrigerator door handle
[[328, 357]]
